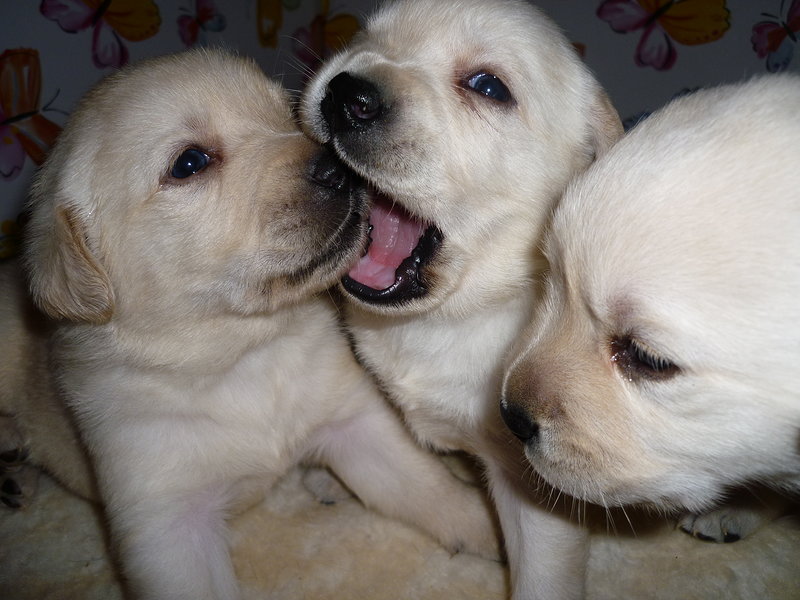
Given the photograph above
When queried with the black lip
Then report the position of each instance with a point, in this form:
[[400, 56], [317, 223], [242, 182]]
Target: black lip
[[341, 246], [409, 282]]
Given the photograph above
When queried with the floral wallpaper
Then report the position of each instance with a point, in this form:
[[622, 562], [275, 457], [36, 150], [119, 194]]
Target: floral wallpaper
[[643, 51]]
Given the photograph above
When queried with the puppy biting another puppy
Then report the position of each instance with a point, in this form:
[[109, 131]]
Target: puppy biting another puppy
[[182, 230], [468, 119], [662, 368]]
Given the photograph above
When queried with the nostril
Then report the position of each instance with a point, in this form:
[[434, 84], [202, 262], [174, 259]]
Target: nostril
[[365, 107], [327, 171], [351, 102], [519, 421]]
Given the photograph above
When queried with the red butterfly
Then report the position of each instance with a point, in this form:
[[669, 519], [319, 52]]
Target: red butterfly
[[23, 129], [775, 39], [206, 17]]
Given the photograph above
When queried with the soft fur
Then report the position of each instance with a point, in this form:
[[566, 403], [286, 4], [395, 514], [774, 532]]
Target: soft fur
[[479, 173], [663, 365], [197, 358], [36, 430]]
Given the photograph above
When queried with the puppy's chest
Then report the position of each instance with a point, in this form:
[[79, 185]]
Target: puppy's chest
[[442, 384]]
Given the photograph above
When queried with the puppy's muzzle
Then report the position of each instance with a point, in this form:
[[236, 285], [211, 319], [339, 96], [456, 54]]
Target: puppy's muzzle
[[351, 103]]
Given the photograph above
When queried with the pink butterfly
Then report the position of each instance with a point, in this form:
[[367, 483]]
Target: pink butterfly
[[688, 22], [206, 17], [133, 20], [775, 39]]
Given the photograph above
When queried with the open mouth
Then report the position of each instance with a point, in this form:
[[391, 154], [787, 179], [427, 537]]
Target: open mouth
[[400, 245]]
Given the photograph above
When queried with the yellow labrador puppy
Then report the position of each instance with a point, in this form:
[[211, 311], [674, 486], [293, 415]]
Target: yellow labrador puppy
[[467, 118], [663, 366], [182, 228]]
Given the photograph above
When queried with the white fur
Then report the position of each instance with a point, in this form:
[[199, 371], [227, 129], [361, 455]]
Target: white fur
[[195, 352], [683, 237], [487, 176]]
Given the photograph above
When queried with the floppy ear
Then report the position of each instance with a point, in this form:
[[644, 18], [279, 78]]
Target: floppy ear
[[605, 123], [66, 279]]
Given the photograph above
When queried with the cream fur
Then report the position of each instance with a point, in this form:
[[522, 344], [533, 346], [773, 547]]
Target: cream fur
[[195, 349], [684, 239], [487, 175]]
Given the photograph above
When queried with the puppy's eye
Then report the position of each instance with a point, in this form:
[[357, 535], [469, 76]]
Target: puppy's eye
[[190, 162], [635, 361], [489, 85]]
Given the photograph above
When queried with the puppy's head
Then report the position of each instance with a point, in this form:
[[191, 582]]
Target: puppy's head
[[467, 119], [662, 366], [183, 183]]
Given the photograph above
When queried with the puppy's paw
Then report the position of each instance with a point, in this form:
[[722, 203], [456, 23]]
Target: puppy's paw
[[734, 521], [17, 481], [324, 486], [724, 525], [477, 531]]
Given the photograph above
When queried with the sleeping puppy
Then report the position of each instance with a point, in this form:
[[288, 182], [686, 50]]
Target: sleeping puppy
[[182, 229], [467, 118], [662, 368]]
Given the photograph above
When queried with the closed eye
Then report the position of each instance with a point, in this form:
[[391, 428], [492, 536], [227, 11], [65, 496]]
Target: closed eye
[[637, 361]]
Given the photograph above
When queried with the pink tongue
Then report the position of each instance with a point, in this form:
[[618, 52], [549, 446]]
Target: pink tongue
[[394, 235]]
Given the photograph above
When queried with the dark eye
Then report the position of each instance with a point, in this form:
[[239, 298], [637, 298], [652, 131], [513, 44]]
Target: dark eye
[[190, 161], [636, 361], [490, 86]]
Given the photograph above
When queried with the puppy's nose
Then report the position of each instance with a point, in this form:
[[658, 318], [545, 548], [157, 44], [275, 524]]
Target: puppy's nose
[[519, 421], [351, 103], [326, 170]]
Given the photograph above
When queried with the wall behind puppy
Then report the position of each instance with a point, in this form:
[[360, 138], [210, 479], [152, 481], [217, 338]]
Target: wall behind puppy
[[643, 51]]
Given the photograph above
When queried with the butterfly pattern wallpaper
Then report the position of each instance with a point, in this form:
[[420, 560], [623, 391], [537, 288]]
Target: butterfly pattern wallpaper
[[643, 51], [665, 23]]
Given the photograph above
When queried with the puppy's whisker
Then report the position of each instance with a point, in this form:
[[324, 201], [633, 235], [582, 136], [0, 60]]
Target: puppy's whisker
[[306, 47], [628, 519]]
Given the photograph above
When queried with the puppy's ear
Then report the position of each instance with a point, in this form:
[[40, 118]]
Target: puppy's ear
[[66, 279], [605, 123]]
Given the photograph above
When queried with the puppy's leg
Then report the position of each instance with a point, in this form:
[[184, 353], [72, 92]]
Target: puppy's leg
[[174, 546], [324, 485], [736, 519], [377, 458], [547, 552]]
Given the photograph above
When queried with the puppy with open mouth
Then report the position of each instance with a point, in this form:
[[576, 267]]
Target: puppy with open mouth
[[467, 119], [182, 231], [663, 366]]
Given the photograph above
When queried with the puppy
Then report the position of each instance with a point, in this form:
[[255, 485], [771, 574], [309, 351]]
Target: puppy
[[662, 367], [182, 231], [468, 118]]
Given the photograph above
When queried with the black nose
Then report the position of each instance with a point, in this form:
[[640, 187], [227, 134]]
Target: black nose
[[519, 421], [351, 103], [326, 170]]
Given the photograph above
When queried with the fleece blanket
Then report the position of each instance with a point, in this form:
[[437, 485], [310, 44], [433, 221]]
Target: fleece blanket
[[293, 547]]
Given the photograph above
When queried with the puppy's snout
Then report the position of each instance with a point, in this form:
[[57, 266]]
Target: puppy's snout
[[518, 420], [351, 103], [517, 406], [326, 170]]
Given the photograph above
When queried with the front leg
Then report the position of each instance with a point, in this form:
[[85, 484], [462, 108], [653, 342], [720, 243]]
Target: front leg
[[174, 545], [167, 498], [378, 459], [547, 551]]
